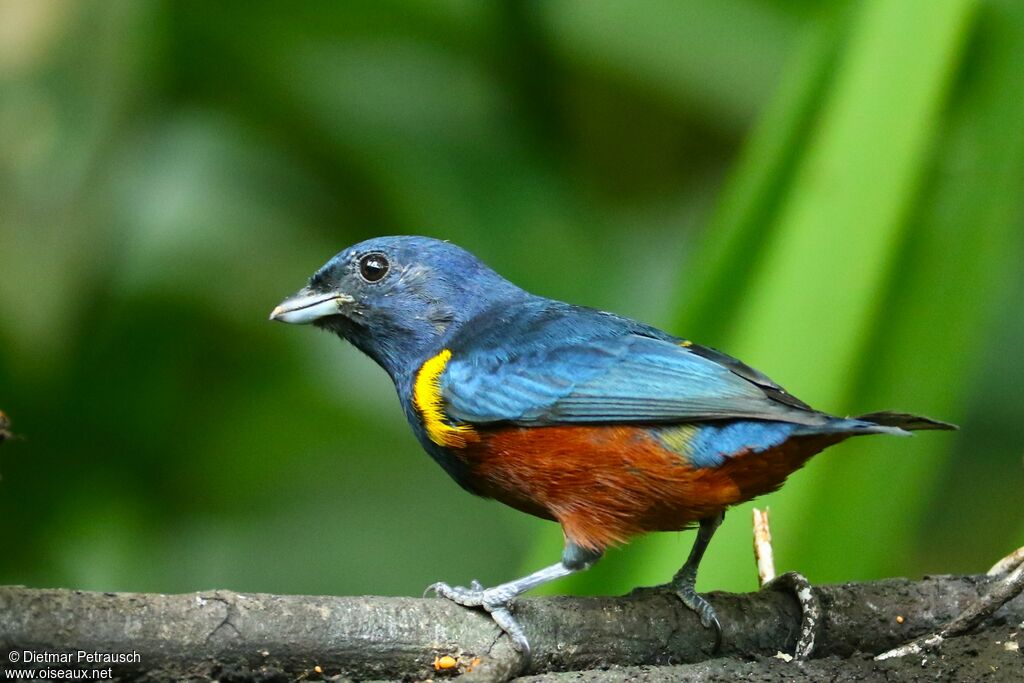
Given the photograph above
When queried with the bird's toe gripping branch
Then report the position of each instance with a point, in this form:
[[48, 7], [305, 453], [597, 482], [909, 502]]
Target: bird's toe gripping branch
[[494, 600], [687, 592]]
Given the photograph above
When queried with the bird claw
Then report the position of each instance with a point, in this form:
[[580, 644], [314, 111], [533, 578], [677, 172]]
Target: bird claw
[[495, 601], [687, 593]]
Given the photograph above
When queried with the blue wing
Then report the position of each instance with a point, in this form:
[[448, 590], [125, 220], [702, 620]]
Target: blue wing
[[556, 364]]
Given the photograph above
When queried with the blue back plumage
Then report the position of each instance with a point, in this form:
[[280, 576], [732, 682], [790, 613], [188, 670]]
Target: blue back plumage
[[545, 362]]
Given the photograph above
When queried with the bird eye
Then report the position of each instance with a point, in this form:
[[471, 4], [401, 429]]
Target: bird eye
[[373, 267]]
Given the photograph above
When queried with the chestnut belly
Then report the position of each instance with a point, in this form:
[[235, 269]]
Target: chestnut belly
[[607, 483]]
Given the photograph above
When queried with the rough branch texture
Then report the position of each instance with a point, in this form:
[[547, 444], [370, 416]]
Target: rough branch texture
[[221, 634]]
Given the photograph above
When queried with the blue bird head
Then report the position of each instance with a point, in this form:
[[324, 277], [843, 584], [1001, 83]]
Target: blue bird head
[[397, 298]]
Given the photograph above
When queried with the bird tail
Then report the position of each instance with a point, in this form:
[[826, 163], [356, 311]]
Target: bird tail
[[906, 421], [885, 422]]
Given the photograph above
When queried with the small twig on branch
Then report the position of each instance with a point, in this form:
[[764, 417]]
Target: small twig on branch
[[976, 612], [763, 553], [1007, 564], [810, 611]]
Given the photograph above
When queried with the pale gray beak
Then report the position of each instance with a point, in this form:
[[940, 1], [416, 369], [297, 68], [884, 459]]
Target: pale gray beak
[[304, 308]]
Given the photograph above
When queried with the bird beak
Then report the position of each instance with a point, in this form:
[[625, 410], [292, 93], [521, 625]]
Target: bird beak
[[305, 308]]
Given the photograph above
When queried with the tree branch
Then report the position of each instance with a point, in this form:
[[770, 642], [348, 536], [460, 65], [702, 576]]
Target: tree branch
[[221, 634]]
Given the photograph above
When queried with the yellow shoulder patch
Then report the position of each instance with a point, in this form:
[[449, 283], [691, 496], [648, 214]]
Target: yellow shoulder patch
[[686, 343], [426, 395]]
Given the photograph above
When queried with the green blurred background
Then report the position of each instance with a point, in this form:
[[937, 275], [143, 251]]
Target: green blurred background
[[831, 191]]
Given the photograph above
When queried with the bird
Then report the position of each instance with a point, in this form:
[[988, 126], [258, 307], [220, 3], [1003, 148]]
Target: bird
[[608, 426]]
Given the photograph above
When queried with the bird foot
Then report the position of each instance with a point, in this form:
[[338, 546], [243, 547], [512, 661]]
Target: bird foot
[[810, 610], [686, 591], [494, 600]]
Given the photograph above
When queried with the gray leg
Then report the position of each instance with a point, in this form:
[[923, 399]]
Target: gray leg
[[496, 600], [684, 583]]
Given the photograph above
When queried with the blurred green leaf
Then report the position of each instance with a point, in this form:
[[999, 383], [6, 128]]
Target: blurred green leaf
[[695, 53]]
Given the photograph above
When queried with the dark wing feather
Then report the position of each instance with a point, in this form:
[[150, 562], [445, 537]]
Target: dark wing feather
[[748, 373]]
